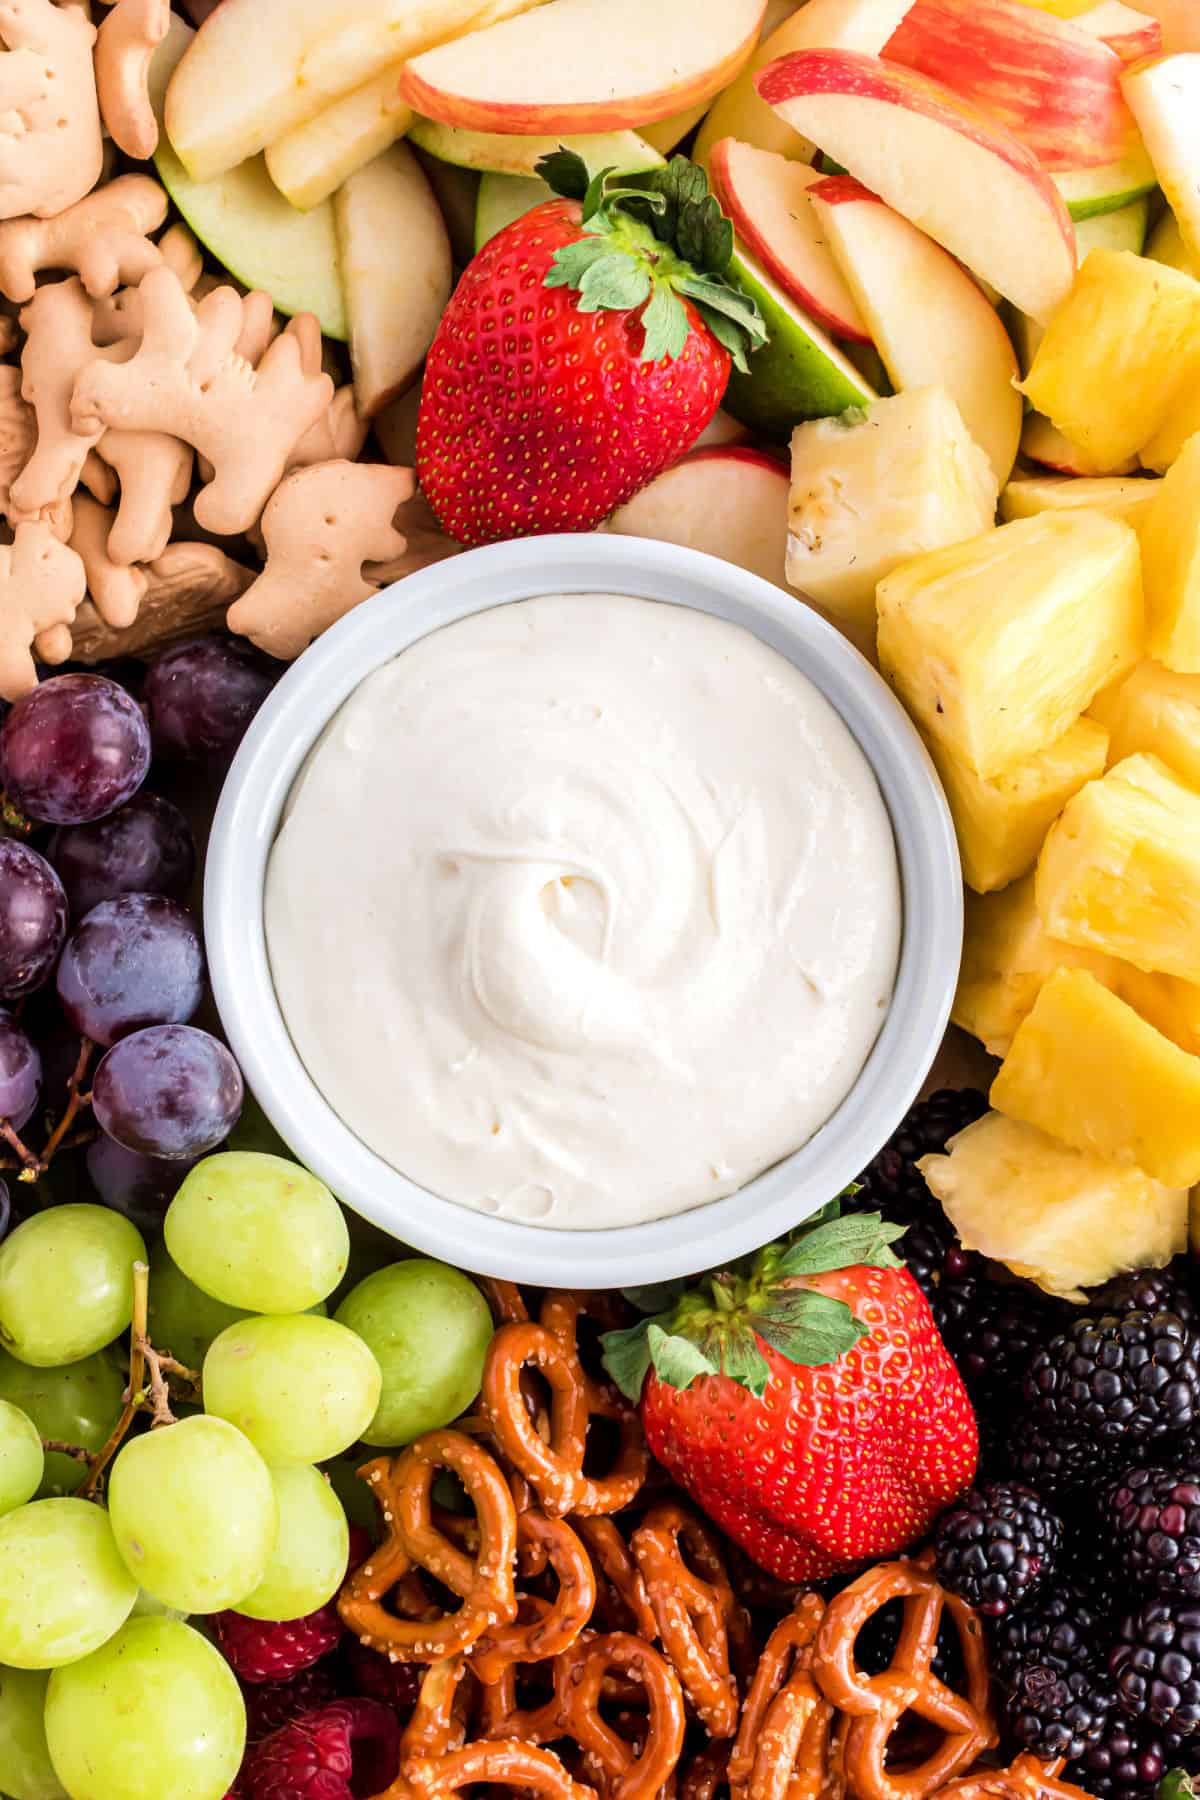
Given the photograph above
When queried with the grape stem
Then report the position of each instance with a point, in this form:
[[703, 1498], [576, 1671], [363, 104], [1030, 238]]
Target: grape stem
[[56, 1447], [142, 1395], [27, 1162], [75, 1099]]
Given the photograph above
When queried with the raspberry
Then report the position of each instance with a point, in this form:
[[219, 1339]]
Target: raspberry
[[345, 1751], [258, 1651], [371, 1675], [273, 1704]]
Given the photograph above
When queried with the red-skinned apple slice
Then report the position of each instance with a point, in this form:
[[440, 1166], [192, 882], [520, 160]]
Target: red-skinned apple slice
[[964, 180], [928, 320], [1130, 33], [732, 502], [1180, 21], [766, 197], [585, 65], [1052, 85]]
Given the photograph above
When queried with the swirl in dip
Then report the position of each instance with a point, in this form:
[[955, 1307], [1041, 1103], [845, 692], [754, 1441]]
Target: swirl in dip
[[584, 910]]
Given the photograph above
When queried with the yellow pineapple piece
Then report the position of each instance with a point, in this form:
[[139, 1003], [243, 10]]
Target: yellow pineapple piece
[[1120, 871], [998, 644], [1181, 424], [876, 486], [1057, 1216], [1171, 565], [1086, 1069], [1155, 710], [1008, 956], [1127, 498], [1172, 1006], [1123, 344], [1002, 823]]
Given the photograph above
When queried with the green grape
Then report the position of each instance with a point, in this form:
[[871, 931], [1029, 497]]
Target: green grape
[[22, 1462], [66, 1283], [311, 1552], [64, 1589], [25, 1766], [157, 1714], [429, 1327], [302, 1389], [77, 1404], [183, 1318], [194, 1514], [258, 1232]]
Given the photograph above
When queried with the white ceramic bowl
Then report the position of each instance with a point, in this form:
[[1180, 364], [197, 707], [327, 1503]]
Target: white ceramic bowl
[[248, 816]]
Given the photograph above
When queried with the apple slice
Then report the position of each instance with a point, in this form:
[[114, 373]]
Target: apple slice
[[311, 161], [965, 180], [1052, 85], [821, 24], [665, 134], [260, 67], [928, 320], [1180, 21], [1092, 192], [246, 223], [1166, 245], [799, 373], [1165, 96], [585, 65], [502, 153], [731, 502], [1130, 34], [396, 271], [1044, 443], [504, 198], [767, 200]]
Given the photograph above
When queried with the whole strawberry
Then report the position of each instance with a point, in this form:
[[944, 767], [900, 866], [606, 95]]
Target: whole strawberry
[[807, 1404], [585, 349]]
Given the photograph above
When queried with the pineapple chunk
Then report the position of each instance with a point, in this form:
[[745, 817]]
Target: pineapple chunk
[[1181, 424], [997, 645], [1008, 956], [1055, 1215], [1155, 710], [1122, 345], [1126, 499], [873, 487], [1120, 872], [1085, 1068], [1001, 823], [1170, 1005], [1171, 565]]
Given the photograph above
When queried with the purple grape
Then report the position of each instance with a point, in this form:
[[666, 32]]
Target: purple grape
[[145, 847], [202, 695], [171, 1091], [141, 1187], [20, 1074], [133, 961], [33, 918], [74, 749]]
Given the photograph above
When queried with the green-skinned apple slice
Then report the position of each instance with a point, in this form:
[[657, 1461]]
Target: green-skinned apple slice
[[799, 373], [1091, 192], [502, 153], [731, 502], [245, 222], [504, 198]]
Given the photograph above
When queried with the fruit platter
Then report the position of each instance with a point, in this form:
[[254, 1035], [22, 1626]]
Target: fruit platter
[[600, 899]]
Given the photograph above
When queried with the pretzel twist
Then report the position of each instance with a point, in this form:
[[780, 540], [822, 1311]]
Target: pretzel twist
[[551, 1628], [1026, 1779], [875, 1704], [502, 1762], [484, 1583], [439, 1721], [624, 1771], [694, 1609], [624, 1592]]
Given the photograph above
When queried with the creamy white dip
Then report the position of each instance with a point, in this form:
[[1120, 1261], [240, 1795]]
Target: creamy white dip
[[585, 910]]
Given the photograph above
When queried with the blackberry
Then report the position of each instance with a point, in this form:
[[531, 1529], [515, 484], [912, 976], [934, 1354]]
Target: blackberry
[[1058, 1627], [1117, 1378], [1057, 1713], [995, 1545], [1156, 1665], [1151, 1518], [1152, 1291], [993, 1331], [1127, 1761], [1061, 1465], [893, 1185]]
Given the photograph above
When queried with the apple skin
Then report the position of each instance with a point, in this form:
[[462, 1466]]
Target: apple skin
[[731, 501], [983, 195], [1052, 85], [1131, 33], [766, 198], [462, 82]]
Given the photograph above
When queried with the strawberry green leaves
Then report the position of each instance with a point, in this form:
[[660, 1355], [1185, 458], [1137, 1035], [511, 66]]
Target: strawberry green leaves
[[653, 241]]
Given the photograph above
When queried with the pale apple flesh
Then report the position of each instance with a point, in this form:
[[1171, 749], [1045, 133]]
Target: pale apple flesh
[[964, 180], [1165, 97], [397, 273], [1130, 33], [258, 68], [730, 501], [585, 65], [503, 153], [767, 199], [1050, 84], [310, 163], [928, 319]]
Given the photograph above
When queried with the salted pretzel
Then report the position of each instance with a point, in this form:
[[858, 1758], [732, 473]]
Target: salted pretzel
[[439, 1721], [548, 1628], [505, 1299], [554, 1468], [694, 1609], [707, 1772], [1025, 1779], [484, 1583], [498, 1763], [875, 1704], [622, 1771], [784, 1748], [622, 1600]]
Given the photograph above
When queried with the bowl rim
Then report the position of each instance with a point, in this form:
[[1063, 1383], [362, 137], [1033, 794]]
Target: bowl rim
[[247, 817]]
